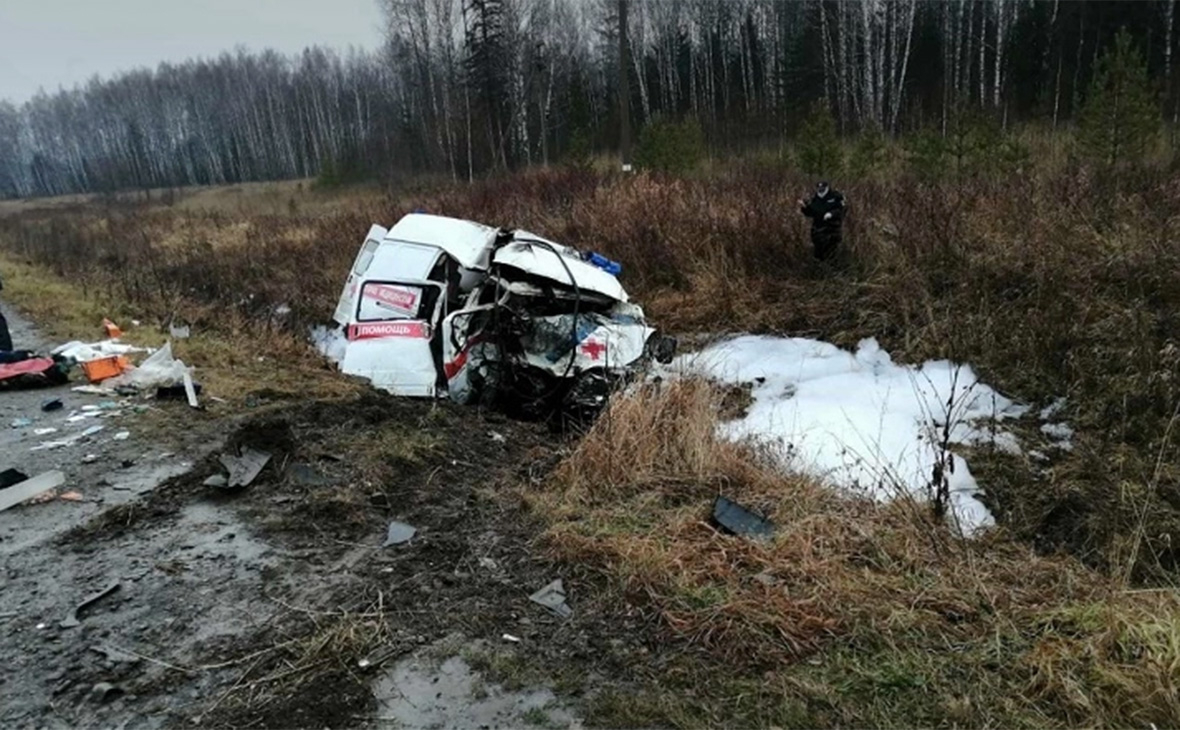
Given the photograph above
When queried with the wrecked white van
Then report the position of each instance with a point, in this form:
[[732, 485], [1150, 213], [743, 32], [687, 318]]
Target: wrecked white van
[[438, 305]]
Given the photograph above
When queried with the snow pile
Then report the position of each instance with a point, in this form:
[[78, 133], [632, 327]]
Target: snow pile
[[330, 341], [858, 420]]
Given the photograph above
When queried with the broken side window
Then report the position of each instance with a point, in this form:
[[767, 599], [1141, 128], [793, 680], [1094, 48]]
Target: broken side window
[[381, 301]]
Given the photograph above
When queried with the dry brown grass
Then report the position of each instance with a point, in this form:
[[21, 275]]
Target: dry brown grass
[[877, 593]]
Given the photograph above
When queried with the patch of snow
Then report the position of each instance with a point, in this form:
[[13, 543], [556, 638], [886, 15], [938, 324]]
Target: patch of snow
[[857, 420], [1048, 412], [1060, 433], [330, 341]]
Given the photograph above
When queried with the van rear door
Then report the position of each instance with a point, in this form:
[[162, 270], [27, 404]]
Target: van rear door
[[390, 334], [364, 257]]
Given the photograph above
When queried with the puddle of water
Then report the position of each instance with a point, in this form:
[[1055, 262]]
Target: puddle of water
[[420, 694]]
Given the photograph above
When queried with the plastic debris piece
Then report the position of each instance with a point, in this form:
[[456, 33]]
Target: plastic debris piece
[[217, 480], [9, 477], [306, 475], [552, 597], [497, 437], [22, 422], [73, 619], [92, 389], [90, 408], [511, 638], [90, 458], [245, 468], [29, 488], [190, 392], [179, 331], [44, 431], [83, 352], [108, 405], [70, 496], [737, 520], [159, 369], [52, 404], [398, 533], [122, 436]]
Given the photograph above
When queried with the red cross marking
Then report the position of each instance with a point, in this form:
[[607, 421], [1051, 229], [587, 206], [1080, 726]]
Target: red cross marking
[[593, 349]]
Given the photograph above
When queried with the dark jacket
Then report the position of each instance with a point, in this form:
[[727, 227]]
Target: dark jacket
[[832, 203]]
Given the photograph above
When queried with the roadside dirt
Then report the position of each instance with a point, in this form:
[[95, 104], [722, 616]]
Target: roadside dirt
[[277, 605]]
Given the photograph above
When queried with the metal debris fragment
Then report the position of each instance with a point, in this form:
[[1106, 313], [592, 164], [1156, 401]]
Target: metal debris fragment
[[737, 520], [552, 597], [245, 468], [398, 533], [30, 488], [73, 619]]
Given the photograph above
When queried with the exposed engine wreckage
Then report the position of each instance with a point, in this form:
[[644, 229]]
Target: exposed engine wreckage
[[439, 306]]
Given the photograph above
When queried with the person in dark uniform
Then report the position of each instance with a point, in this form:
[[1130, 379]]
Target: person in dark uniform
[[826, 211], [5, 337]]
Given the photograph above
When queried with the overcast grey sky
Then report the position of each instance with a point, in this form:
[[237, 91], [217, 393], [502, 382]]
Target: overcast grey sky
[[52, 43]]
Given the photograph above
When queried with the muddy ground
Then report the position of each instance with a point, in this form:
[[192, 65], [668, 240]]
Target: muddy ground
[[277, 605]]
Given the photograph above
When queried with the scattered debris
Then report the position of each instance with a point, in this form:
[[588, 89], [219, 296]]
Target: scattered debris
[[81, 352], [497, 437], [68, 441], [245, 468], [44, 431], [161, 368], [179, 331], [217, 480], [53, 404], [70, 496], [306, 475], [378, 657], [398, 533], [511, 638], [105, 368], [122, 436], [736, 519], [114, 655], [176, 392], [9, 477], [29, 488], [22, 422], [552, 597], [190, 391], [110, 329], [92, 390], [90, 408], [105, 692], [73, 619], [90, 458]]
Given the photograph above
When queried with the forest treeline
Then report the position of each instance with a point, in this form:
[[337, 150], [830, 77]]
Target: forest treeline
[[462, 87]]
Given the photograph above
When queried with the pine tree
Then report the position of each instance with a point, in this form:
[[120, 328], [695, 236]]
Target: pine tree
[[1120, 115], [819, 148]]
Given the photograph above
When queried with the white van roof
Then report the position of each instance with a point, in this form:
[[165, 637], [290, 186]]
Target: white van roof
[[467, 242]]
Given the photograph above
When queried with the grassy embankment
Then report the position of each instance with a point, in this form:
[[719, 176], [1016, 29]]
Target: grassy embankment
[[1050, 282]]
